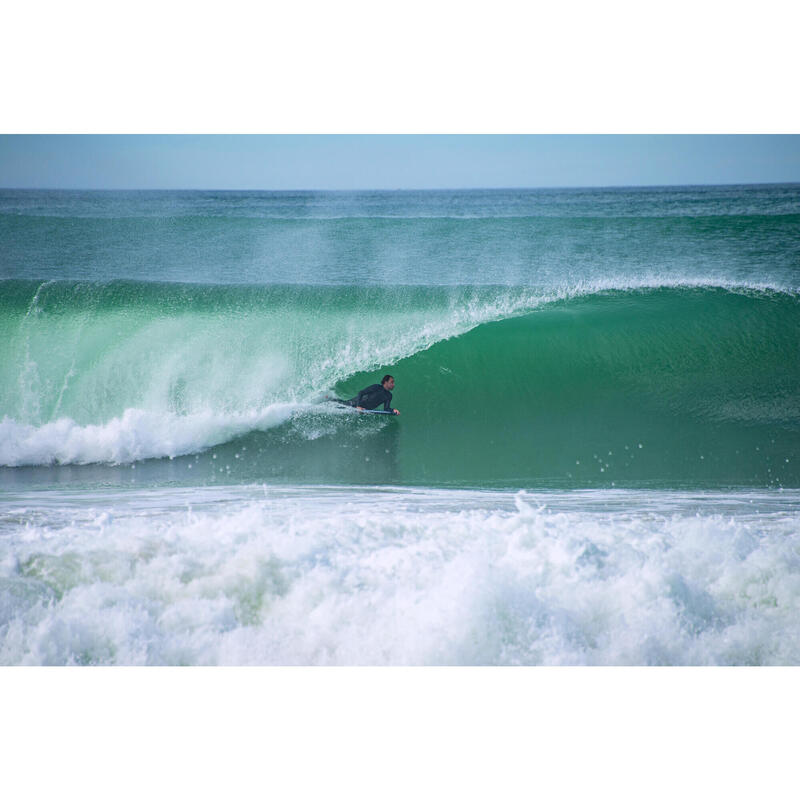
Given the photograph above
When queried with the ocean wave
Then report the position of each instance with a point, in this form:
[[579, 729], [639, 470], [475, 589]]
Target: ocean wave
[[518, 385]]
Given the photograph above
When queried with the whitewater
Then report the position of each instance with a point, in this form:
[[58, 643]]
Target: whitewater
[[597, 461], [260, 575]]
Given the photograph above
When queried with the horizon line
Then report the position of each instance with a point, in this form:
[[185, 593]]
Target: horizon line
[[399, 189]]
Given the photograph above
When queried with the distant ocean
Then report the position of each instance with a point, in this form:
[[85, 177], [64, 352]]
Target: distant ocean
[[597, 459]]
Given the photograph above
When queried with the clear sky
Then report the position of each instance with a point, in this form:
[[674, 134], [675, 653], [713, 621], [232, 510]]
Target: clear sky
[[392, 162]]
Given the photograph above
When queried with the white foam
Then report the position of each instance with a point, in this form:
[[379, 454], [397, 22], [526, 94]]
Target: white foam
[[316, 576], [135, 435]]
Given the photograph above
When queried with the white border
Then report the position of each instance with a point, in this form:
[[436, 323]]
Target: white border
[[432, 66], [400, 733]]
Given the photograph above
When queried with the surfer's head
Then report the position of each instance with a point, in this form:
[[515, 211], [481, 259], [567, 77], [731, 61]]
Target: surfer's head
[[387, 381]]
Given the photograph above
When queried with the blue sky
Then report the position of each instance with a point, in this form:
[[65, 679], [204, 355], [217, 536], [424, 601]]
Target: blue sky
[[392, 162]]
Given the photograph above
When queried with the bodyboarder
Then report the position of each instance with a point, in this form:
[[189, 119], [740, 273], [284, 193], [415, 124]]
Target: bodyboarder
[[372, 396]]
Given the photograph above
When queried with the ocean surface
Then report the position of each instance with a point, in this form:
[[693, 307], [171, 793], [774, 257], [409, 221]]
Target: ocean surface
[[597, 459]]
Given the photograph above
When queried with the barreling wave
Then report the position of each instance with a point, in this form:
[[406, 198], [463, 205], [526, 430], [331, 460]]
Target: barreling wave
[[587, 384]]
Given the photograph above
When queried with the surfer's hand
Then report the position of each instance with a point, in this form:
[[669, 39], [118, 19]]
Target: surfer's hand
[[396, 411]]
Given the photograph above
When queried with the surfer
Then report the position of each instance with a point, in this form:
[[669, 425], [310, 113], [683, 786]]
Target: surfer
[[371, 397]]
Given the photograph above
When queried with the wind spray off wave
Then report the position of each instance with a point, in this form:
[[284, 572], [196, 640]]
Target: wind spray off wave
[[123, 371]]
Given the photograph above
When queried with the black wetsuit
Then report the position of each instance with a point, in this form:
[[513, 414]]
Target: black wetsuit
[[372, 397]]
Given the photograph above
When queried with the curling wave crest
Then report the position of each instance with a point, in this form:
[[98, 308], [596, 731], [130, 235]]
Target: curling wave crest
[[519, 385]]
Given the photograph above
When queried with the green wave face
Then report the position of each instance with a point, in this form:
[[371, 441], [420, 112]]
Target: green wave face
[[664, 386], [670, 386]]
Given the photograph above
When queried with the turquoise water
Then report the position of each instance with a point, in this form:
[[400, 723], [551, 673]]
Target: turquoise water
[[162, 351], [679, 386]]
